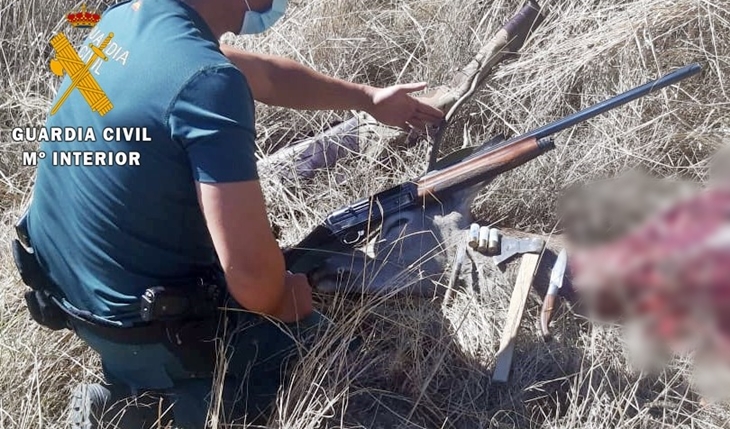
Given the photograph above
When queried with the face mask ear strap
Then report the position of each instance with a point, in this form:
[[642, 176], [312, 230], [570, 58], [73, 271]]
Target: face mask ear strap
[[257, 22]]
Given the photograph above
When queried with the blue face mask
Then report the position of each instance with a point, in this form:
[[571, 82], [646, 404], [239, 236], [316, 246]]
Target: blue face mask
[[258, 22]]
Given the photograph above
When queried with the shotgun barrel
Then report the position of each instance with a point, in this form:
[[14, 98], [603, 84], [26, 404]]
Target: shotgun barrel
[[611, 103], [484, 165]]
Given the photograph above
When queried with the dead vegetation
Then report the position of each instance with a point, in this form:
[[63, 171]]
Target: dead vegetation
[[421, 365]]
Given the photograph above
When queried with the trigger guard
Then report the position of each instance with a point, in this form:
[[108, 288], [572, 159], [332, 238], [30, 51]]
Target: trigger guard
[[356, 240]]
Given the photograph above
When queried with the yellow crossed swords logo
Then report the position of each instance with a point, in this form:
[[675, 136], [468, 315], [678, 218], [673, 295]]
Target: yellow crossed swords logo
[[68, 61]]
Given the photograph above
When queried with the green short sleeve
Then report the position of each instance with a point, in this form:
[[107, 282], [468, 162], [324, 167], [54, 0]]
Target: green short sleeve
[[213, 119]]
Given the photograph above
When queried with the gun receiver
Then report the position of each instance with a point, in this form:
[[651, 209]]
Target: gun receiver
[[350, 226]]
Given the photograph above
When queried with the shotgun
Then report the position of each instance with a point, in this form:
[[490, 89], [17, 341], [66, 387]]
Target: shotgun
[[351, 226]]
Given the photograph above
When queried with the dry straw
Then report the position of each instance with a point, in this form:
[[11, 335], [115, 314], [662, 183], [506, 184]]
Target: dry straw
[[418, 360]]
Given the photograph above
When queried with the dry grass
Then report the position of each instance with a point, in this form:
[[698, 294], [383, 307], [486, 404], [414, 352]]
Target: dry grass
[[422, 366]]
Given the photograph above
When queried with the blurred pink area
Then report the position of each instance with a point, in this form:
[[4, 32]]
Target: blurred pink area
[[672, 273]]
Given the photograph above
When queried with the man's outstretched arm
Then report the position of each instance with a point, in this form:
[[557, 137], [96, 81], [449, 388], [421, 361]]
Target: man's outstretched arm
[[283, 82]]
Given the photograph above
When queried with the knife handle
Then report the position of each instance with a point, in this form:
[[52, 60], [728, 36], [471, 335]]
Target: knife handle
[[548, 305]]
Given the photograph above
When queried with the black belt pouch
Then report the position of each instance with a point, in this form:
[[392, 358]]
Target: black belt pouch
[[40, 305], [194, 343]]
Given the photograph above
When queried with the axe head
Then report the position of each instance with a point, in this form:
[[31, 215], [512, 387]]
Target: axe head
[[512, 246]]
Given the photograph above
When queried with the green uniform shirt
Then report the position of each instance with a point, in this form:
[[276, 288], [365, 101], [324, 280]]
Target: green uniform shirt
[[105, 233]]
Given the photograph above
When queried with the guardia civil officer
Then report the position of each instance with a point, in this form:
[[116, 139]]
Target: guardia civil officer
[[138, 259]]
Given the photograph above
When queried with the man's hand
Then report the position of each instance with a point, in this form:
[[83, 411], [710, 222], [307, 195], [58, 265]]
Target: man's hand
[[283, 82], [297, 299], [396, 107]]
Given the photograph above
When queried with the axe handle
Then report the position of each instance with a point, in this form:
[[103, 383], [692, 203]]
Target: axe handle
[[514, 316]]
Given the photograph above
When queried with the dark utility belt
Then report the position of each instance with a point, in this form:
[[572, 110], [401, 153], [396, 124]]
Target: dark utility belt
[[175, 314]]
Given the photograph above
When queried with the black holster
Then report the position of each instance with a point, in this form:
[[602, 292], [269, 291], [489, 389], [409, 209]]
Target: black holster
[[44, 311], [41, 304]]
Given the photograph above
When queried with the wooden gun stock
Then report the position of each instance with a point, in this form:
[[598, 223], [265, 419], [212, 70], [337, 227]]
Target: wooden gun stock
[[483, 167]]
